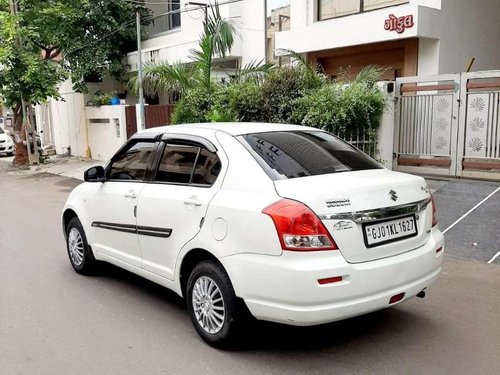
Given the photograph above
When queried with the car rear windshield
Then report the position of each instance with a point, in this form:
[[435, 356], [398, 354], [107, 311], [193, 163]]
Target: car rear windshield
[[296, 154]]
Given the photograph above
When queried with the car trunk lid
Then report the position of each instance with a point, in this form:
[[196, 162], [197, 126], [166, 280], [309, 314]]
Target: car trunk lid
[[356, 207]]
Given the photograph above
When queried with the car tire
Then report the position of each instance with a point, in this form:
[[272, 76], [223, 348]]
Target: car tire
[[80, 255], [217, 314]]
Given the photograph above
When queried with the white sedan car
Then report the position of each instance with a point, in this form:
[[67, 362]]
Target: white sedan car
[[6, 143], [286, 222]]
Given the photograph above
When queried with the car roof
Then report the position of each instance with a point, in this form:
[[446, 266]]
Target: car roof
[[232, 128]]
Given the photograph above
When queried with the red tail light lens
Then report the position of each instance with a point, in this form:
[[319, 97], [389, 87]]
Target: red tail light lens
[[434, 212], [298, 227]]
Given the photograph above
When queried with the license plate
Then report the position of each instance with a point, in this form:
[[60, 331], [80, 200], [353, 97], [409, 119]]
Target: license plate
[[387, 231]]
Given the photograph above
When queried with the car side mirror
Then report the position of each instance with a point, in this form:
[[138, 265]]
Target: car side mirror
[[7, 132], [95, 174]]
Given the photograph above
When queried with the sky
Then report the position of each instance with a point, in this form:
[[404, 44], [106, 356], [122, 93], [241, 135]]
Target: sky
[[273, 4]]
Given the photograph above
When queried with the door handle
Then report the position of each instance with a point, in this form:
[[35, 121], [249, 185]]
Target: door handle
[[193, 201], [131, 194]]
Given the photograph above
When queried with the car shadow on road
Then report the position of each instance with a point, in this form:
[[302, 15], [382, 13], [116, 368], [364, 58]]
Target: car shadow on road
[[360, 333], [140, 284]]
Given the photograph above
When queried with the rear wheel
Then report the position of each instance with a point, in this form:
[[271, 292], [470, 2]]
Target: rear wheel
[[79, 252], [215, 311]]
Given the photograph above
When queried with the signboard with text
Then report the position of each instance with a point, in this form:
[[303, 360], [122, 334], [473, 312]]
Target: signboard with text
[[399, 24]]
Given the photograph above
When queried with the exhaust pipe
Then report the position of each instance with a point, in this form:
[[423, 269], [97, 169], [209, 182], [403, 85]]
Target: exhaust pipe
[[421, 294]]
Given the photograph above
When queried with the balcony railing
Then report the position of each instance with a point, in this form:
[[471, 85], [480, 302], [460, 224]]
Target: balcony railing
[[338, 8]]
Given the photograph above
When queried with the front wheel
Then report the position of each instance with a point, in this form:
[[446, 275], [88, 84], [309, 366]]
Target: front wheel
[[215, 311], [79, 252]]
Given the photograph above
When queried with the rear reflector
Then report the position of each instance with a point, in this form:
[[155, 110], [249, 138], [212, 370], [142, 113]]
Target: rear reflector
[[330, 280], [396, 298]]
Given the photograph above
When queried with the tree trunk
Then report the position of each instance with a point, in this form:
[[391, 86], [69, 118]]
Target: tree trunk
[[21, 155]]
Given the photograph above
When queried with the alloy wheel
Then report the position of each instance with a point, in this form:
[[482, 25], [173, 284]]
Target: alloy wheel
[[75, 246], [208, 305]]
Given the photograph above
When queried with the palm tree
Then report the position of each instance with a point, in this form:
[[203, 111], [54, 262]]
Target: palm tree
[[215, 42]]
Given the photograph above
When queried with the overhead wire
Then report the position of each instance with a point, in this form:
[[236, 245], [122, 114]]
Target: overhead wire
[[152, 2], [149, 18]]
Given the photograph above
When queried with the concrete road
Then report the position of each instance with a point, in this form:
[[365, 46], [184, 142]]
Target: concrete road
[[477, 235], [53, 321]]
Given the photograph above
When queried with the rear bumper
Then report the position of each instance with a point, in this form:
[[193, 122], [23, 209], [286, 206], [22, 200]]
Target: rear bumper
[[285, 289]]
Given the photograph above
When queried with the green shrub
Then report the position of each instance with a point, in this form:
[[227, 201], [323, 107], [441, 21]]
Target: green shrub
[[321, 109], [292, 95], [342, 108], [101, 97], [193, 107], [282, 87], [220, 115], [245, 100]]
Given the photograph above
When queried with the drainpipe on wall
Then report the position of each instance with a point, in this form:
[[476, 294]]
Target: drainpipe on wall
[[88, 153]]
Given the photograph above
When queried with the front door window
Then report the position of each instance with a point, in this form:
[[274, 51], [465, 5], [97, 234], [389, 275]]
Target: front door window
[[132, 164]]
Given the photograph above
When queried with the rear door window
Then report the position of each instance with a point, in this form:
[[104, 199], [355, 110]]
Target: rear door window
[[176, 165], [296, 154], [187, 164]]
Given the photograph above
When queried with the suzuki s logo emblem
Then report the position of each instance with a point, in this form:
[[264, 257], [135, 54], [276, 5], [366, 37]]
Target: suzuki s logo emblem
[[393, 195]]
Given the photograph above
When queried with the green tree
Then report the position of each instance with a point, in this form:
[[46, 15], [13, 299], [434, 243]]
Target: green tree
[[60, 39]]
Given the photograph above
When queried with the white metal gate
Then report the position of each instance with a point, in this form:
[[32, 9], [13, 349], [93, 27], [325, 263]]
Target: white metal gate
[[449, 125]]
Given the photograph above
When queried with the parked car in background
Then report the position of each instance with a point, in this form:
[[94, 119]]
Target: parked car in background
[[7, 145], [288, 223]]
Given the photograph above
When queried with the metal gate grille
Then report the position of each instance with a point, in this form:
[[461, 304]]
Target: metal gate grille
[[425, 125], [449, 125], [479, 132], [482, 137]]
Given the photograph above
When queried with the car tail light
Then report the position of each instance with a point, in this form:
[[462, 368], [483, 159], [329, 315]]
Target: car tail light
[[434, 212], [298, 227]]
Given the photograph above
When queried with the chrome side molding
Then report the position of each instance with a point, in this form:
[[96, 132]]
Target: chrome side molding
[[380, 213]]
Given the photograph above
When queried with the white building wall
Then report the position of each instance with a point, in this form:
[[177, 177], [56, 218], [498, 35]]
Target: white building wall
[[357, 29], [428, 56], [252, 28], [85, 131], [385, 143], [68, 121], [465, 29], [450, 32], [107, 127], [299, 13], [175, 45]]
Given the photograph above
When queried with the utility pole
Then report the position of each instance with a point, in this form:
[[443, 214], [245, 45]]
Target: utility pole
[[32, 159], [142, 116]]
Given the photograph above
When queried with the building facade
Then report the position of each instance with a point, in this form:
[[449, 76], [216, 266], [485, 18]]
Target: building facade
[[407, 37], [172, 37]]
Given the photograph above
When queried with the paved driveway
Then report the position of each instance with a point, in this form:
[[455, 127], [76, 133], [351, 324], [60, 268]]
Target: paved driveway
[[53, 321], [477, 235]]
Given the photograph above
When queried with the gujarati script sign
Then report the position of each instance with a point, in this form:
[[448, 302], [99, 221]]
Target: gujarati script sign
[[399, 24]]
